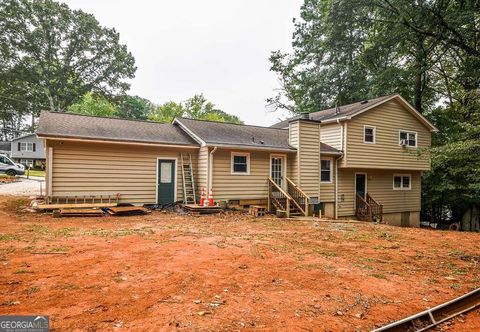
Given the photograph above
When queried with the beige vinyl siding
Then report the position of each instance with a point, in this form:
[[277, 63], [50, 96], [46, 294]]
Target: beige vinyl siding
[[309, 157], [331, 134], [201, 180], [386, 153], [293, 167], [98, 168], [327, 190], [380, 187], [228, 186]]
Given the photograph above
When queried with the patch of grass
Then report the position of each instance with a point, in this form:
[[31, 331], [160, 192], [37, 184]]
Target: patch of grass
[[121, 232], [325, 253], [379, 276], [455, 286], [22, 271], [431, 281], [386, 235], [34, 172], [8, 237], [33, 290], [15, 205]]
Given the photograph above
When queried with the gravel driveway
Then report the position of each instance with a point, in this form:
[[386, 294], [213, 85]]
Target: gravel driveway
[[23, 187]]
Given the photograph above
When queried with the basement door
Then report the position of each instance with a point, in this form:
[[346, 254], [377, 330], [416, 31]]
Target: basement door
[[361, 184], [166, 181]]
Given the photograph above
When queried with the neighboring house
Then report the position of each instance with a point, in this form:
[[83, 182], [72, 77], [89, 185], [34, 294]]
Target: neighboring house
[[5, 148], [358, 160], [29, 151]]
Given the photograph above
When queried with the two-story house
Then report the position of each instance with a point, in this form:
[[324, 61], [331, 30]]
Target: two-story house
[[29, 151], [361, 160]]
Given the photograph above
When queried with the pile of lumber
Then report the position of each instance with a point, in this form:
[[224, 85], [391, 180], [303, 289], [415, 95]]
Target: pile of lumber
[[126, 210], [196, 209]]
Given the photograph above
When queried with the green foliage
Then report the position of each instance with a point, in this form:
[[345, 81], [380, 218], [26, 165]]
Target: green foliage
[[94, 105], [196, 107], [134, 107], [51, 56]]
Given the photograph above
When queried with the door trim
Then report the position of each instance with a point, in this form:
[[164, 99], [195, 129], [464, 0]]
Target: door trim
[[284, 170], [174, 180], [355, 187]]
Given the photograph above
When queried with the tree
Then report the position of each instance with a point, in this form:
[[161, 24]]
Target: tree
[[166, 112], [134, 107], [197, 107], [58, 55], [94, 105]]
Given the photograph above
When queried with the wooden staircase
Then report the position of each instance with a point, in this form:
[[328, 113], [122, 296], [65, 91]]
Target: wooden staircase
[[189, 196], [292, 201], [368, 209]]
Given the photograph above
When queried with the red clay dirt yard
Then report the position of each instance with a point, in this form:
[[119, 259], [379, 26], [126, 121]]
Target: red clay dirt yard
[[166, 271]]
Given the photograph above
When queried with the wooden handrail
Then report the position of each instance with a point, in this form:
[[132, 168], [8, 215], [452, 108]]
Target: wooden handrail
[[288, 197], [278, 187], [298, 188]]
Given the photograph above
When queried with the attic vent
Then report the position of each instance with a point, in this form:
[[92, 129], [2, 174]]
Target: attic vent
[[364, 102], [305, 116]]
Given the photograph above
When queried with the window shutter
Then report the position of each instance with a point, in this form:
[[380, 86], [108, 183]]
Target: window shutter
[[19, 146], [34, 146]]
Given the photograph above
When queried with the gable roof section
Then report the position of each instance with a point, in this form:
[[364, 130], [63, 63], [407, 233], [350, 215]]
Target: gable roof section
[[76, 126], [230, 134], [346, 112], [24, 136]]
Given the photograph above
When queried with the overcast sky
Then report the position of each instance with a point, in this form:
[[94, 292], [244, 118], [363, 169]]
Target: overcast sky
[[216, 47]]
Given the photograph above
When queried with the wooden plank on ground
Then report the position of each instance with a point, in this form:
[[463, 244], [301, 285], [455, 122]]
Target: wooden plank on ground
[[74, 206], [261, 201]]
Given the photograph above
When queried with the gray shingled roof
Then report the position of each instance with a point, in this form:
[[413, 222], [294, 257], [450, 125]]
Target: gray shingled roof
[[329, 114], [5, 146], [222, 133], [53, 124]]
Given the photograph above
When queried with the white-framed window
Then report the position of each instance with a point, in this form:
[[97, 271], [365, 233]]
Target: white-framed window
[[26, 146], [407, 138], [325, 170], [240, 163], [27, 162], [402, 182], [369, 133]]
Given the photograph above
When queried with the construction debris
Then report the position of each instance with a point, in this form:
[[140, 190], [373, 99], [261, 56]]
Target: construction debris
[[196, 209], [427, 319], [50, 207], [126, 210], [257, 210]]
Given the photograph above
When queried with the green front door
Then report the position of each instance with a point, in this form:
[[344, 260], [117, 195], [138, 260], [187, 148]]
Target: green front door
[[166, 181]]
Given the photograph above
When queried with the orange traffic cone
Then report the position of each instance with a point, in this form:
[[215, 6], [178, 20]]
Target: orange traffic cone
[[210, 198], [202, 197]]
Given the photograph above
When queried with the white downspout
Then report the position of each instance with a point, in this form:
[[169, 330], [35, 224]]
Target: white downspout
[[210, 171], [336, 168]]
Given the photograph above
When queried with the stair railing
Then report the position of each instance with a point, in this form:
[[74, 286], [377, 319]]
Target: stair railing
[[278, 198], [376, 208], [363, 210], [299, 196]]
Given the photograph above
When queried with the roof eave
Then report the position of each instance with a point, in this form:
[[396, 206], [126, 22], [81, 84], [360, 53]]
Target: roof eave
[[250, 147], [114, 141]]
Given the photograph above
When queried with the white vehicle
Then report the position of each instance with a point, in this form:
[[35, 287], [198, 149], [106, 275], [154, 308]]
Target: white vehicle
[[10, 168]]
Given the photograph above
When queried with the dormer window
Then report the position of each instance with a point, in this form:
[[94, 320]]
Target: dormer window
[[369, 134], [408, 138]]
